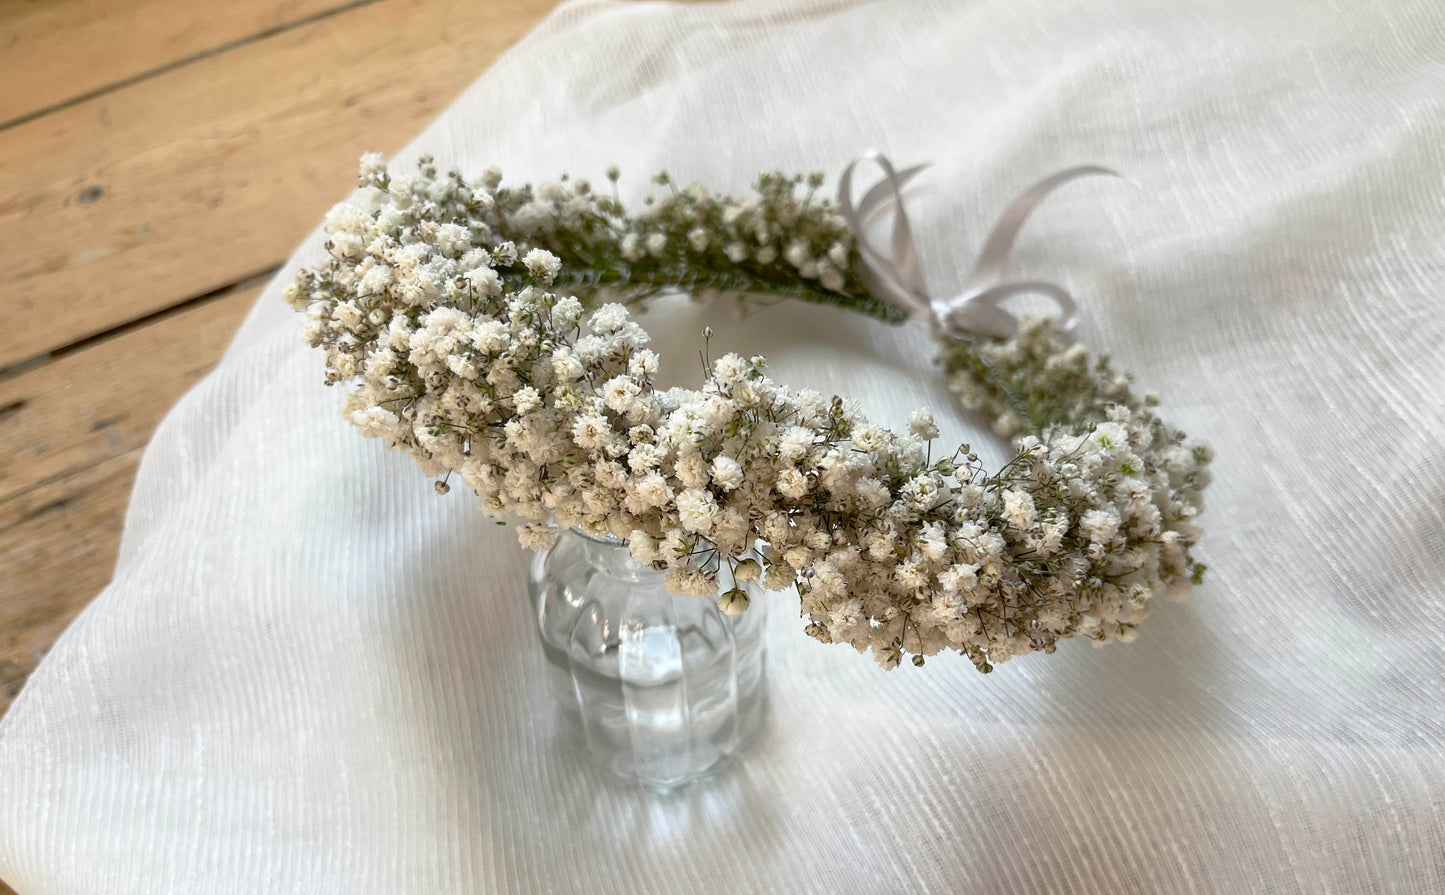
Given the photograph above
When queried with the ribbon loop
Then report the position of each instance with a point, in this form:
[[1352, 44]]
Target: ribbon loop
[[897, 276]]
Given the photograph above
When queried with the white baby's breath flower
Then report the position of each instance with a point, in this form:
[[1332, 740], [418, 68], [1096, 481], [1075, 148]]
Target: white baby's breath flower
[[646, 457], [796, 443], [591, 431], [536, 536], [620, 393], [871, 438], [527, 399], [542, 264], [1018, 508], [566, 365], [727, 473], [642, 364], [453, 239], [696, 510], [920, 492], [729, 369], [608, 319], [347, 314], [377, 279], [778, 577], [489, 336], [484, 281], [958, 579], [643, 547], [374, 422], [372, 170], [1108, 436], [653, 491], [1099, 526], [692, 470], [567, 312], [922, 425], [792, 484], [689, 581]]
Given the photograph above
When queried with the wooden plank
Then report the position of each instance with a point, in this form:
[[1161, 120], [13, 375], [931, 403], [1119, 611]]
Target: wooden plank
[[118, 206], [105, 399], [52, 52], [57, 550], [71, 448], [66, 490]]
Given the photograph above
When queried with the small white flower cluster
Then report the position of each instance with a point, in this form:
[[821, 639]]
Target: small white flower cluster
[[462, 355], [776, 243]]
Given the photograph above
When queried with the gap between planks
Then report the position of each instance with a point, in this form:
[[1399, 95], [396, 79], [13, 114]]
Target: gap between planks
[[124, 43], [121, 205], [107, 397], [255, 280], [70, 449]]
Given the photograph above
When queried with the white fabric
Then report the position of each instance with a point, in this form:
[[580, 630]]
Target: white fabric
[[313, 675]]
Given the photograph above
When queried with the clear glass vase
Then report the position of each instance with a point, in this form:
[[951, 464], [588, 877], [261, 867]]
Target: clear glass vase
[[661, 689]]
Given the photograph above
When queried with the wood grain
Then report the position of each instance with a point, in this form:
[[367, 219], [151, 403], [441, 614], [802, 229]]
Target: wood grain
[[70, 448], [52, 52], [140, 198], [64, 417], [57, 549]]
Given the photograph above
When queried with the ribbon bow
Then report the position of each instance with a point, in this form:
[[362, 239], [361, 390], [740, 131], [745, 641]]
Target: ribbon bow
[[897, 277]]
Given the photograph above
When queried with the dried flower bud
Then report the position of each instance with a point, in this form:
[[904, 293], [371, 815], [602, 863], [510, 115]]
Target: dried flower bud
[[733, 602], [748, 570]]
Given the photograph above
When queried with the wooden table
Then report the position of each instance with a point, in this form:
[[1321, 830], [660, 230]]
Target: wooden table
[[158, 160]]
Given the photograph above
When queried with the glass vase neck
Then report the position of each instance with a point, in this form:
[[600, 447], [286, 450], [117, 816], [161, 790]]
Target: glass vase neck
[[610, 555]]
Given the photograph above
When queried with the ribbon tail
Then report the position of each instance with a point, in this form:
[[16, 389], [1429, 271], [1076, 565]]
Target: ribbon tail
[[991, 260], [889, 191], [875, 199]]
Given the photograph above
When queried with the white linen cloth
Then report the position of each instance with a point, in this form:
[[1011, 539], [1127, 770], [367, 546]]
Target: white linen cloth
[[311, 674]]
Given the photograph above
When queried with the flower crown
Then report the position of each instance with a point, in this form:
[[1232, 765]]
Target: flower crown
[[450, 306]]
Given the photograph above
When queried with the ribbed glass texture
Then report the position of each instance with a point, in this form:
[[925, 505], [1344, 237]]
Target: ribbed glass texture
[[661, 689]]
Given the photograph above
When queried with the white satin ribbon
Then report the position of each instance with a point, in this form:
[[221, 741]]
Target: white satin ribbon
[[896, 276]]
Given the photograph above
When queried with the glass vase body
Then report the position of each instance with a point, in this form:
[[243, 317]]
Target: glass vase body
[[660, 689]]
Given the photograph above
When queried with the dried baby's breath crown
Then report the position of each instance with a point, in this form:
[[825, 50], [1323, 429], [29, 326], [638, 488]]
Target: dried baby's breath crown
[[452, 309]]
